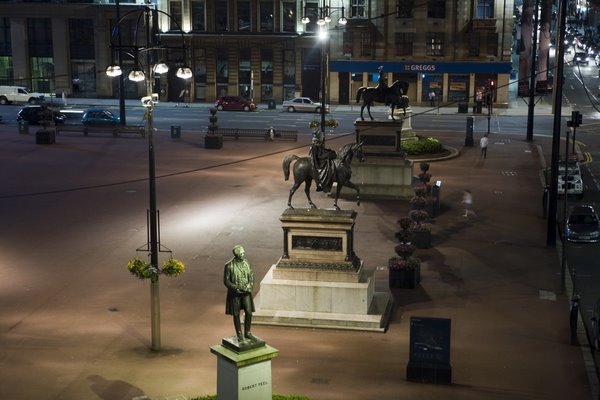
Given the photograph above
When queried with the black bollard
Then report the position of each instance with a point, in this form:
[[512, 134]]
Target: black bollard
[[573, 318]]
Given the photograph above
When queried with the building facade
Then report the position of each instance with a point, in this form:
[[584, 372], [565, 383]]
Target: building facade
[[265, 49]]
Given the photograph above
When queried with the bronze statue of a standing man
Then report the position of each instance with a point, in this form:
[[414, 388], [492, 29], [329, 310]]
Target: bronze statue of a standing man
[[239, 279]]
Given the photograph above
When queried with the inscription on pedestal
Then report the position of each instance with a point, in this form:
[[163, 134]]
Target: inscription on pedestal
[[316, 243]]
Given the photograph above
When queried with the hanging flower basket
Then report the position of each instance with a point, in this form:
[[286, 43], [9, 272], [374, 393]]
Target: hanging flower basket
[[173, 267], [141, 269], [144, 270]]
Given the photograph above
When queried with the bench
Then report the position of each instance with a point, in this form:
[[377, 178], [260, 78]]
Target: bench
[[114, 130], [265, 134]]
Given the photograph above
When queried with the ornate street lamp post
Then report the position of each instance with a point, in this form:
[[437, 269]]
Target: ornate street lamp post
[[323, 20], [146, 18]]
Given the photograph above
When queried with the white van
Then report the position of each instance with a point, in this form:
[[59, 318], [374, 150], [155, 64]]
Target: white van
[[19, 94]]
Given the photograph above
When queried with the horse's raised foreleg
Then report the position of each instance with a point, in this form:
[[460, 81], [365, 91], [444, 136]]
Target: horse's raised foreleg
[[307, 184], [351, 186]]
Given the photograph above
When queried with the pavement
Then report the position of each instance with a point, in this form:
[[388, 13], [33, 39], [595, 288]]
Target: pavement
[[80, 330]]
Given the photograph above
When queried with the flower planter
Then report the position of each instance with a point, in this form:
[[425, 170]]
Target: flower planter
[[45, 136], [213, 141], [404, 278], [421, 239]]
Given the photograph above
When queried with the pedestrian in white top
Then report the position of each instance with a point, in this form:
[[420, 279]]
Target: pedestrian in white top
[[483, 143], [468, 203]]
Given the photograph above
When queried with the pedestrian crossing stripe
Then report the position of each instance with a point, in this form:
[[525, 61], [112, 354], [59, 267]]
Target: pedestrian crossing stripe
[[509, 173]]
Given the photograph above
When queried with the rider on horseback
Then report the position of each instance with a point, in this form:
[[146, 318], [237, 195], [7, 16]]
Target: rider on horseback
[[382, 87], [323, 164]]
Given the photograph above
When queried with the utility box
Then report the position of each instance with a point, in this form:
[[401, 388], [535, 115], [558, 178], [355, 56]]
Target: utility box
[[23, 127], [175, 131], [469, 135]]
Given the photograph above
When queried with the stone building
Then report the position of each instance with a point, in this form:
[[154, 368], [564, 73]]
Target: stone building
[[262, 48]]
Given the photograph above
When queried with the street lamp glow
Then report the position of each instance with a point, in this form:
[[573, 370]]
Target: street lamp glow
[[161, 68], [184, 73], [305, 20], [323, 34], [113, 71], [137, 75], [342, 21]]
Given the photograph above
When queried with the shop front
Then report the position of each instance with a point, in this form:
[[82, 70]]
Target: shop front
[[451, 82]]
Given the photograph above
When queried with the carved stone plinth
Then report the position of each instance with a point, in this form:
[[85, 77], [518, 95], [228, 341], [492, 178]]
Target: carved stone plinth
[[319, 281], [244, 374], [383, 138]]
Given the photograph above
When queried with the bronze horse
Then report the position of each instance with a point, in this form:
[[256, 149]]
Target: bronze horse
[[395, 96], [303, 172]]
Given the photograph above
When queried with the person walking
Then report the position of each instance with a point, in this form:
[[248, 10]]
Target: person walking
[[432, 98], [467, 202], [483, 143]]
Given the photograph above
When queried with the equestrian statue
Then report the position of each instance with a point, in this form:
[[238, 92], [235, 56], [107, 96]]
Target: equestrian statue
[[394, 95], [325, 166]]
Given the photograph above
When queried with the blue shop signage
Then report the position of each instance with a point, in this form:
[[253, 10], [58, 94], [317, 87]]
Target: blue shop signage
[[410, 67]]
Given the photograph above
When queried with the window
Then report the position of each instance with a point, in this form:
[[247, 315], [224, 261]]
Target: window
[[366, 44], [289, 16], [289, 74], [436, 9], [474, 43], [39, 33], [311, 10], [266, 73], [435, 44], [198, 15], [245, 74], [266, 16], [5, 40], [492, 44], [404, 8], [358, 8], [404, 43], [243, 15], [347, 42], [221, 16], [485, 8], [222, 72], [175, 11], [81, 39]]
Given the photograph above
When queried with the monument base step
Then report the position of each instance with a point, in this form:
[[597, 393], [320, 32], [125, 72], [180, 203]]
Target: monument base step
[[376, 320]]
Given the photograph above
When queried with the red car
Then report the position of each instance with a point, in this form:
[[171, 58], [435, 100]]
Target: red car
[[234, 103]]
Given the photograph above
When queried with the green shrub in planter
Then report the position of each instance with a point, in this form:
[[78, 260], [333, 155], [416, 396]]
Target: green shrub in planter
[[422, 146]]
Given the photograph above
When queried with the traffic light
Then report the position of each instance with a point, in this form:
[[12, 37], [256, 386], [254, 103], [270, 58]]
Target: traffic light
[[576, 119]]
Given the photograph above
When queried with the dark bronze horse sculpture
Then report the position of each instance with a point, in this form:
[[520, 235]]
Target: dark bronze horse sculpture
[[395, 96], [304, 172]]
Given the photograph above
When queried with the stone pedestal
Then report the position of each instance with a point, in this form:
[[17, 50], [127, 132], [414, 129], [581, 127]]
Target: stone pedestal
[[244, 374], [319, 280], [383, 138], [385, 173]]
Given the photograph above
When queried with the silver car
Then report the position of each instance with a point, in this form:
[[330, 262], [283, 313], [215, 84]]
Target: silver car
[[303, 104], [583, 225]]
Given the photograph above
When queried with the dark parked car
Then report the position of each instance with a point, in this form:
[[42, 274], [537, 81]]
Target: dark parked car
[[99, 117], [582, 224], [234, 103], [581, 58], [34, 114]]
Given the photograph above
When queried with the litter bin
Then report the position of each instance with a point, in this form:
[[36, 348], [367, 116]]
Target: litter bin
[[463, 108], [23, 127], [175, 131], [271, 104], [469, 136]]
